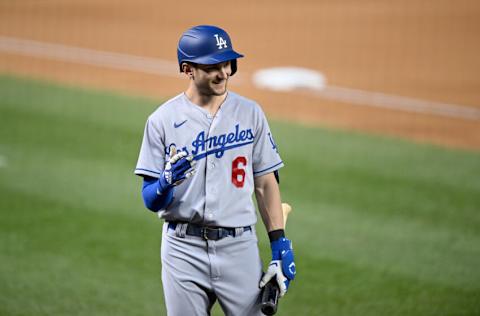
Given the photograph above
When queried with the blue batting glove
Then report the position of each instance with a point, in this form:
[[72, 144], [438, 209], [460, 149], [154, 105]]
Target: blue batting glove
[[282, 266], [178, 168]]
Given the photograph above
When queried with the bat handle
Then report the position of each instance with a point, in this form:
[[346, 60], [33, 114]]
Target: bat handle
[[270, 296]]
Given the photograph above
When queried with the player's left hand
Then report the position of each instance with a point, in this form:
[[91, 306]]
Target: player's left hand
[[282, 266]]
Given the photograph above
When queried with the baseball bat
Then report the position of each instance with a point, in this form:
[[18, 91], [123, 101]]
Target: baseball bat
[[271, 292]]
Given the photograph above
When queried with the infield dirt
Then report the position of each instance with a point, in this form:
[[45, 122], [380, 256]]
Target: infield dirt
[[420, 49]]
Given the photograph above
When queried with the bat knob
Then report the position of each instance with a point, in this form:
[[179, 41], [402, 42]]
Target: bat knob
[[269, 301]]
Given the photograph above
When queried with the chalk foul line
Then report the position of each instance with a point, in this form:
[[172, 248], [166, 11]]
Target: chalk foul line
[[89, 56], [168, 68], [382, 100]]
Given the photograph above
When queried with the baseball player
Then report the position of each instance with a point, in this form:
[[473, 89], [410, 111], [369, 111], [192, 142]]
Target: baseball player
[[204, 153]]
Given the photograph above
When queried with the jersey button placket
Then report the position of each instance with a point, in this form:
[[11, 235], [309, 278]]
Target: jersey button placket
[[210, 190], [211, 201]]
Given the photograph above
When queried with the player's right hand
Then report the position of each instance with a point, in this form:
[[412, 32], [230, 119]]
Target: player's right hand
[[178, 168]]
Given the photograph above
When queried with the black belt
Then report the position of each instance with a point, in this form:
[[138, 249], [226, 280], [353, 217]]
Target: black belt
[[208, 233]]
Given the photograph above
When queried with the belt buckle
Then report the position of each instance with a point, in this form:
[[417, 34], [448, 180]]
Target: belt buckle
[[205, 232]]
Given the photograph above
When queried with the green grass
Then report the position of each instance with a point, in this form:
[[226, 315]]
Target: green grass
[[381, 226]]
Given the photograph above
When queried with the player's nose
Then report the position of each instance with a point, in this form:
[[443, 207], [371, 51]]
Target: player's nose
[[223, 73], [225, 70]]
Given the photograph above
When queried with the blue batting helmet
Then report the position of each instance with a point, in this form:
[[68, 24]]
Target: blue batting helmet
[[206, 45]]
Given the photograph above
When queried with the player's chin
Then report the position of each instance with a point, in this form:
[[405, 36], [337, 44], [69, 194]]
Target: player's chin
[[219, 88]]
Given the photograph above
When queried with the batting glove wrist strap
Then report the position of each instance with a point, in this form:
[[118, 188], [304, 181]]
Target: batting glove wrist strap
[[163, 186], [274, 235]]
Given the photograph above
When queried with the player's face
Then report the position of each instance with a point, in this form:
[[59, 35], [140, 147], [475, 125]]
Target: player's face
[[212, 80]]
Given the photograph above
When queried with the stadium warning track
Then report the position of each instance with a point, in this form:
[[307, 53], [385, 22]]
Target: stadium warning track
[[168, 68]]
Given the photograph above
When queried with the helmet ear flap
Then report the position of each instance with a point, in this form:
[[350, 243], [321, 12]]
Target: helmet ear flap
[[233, 65]]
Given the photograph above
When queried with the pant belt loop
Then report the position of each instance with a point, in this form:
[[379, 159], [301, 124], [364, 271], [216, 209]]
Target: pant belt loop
[[238, 231], [181, 230]]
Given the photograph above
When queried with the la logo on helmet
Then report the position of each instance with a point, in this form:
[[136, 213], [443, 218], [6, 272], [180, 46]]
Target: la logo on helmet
[[220, 42]]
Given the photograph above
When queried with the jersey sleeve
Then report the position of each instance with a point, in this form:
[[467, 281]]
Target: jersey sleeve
[[151, 160], [266, 158]]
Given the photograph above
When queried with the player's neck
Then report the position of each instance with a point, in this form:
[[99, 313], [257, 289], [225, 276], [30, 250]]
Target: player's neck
[[211, 103]]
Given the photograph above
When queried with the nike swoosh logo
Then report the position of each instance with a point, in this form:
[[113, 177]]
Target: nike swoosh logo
[[179, 124]]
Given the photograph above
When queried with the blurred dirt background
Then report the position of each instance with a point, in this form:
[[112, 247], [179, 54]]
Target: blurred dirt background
[[425, 50]]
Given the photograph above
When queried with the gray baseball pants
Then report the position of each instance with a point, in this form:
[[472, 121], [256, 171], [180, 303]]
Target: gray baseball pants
[[197, 272]]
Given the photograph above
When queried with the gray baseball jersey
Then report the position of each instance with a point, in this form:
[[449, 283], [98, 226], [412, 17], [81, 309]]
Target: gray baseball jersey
[[231, 149]]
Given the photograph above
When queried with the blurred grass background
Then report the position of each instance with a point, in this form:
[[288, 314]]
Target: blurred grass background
[[381, 226]]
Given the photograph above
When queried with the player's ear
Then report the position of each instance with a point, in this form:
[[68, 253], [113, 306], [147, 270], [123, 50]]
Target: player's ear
[[187, 68]]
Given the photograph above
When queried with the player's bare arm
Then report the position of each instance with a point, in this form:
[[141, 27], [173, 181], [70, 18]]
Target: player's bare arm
[[269, 203]]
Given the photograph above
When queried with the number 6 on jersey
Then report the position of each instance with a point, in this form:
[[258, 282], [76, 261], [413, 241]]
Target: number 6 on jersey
[[238, 171]]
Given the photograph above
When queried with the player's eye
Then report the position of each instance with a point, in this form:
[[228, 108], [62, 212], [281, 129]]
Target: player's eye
[[215, 67]]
